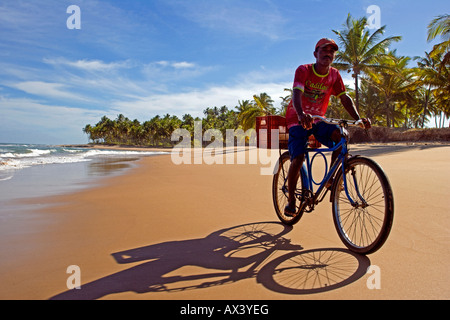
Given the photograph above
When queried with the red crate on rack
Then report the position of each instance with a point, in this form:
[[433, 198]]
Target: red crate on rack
[[270, 123]]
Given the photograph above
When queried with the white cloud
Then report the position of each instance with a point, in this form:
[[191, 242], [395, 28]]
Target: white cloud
[[46, 89], [176, 65], [182, 65], [60, 124], [123, 78], [196, 101], [161, 75], [88, 65]]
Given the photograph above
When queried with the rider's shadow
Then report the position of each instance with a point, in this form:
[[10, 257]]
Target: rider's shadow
[[223, 254], [218, 251]]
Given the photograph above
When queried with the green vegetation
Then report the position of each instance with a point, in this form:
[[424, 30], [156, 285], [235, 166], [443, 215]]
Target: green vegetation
[[388, 91]]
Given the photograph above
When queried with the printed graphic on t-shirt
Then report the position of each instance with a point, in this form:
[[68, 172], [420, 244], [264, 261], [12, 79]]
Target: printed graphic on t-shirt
[[314, 96]]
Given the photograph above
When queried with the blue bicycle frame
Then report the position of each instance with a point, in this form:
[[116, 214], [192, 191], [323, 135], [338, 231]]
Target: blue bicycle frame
[[309, 182]]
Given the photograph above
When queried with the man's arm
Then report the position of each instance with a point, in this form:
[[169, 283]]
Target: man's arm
[[348, 104], [304, 119]]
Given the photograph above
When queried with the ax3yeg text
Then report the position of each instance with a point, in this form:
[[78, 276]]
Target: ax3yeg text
[[229, 309]]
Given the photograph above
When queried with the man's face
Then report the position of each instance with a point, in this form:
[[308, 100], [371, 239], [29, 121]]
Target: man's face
[[325, 55]]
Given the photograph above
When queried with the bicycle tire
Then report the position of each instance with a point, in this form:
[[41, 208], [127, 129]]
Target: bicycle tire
[[280, 193], [363, 229]]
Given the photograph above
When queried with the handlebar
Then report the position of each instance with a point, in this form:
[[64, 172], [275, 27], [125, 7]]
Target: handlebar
[[341, 122]]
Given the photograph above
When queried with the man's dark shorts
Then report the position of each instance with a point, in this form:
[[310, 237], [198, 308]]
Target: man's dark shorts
[[298, 137]]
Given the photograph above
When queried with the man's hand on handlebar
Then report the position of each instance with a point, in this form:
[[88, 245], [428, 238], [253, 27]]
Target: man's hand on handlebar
[[366, 123], [306, 121]]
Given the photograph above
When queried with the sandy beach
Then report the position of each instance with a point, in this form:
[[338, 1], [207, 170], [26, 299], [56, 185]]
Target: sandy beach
[[163, 231]]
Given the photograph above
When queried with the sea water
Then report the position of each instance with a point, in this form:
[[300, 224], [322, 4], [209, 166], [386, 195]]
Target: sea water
[[31, 170], [14, 157]]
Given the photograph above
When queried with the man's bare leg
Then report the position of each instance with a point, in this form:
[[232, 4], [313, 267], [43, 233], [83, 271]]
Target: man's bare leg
[[293, 175]]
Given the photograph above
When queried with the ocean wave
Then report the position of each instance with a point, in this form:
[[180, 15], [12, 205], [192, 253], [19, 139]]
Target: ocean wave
[[8, 177], [100, 152], [29, 153], [27, 157], [14, 164]]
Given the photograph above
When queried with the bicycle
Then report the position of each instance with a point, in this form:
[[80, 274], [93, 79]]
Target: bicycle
[[361, 194]]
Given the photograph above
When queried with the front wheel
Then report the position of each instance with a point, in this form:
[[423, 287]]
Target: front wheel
[[280, 191], [365, 224]]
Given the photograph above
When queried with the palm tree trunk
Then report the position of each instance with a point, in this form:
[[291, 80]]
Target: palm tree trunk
[[357, 92], [388, 115], [427, 95]]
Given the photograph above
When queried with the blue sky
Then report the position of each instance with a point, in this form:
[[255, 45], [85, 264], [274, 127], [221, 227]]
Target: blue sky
[[146, 58]]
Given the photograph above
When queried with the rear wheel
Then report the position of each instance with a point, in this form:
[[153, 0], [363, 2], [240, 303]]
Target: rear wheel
[[280, 191], [364, 225]]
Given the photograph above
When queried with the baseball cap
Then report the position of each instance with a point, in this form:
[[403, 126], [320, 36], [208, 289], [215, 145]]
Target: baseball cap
[[326, 41]]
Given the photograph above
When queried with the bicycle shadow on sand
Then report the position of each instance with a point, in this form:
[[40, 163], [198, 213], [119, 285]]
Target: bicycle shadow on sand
[[228, 255]]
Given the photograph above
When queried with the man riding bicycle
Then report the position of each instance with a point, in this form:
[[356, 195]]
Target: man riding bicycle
[[313, 86]]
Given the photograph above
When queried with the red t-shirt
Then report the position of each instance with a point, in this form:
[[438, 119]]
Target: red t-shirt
[[316, 89]]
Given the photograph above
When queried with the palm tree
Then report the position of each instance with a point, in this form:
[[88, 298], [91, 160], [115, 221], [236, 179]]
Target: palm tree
[[121, 128], [248, 111], [440, 26], [393, 85], [427, 70], [104, 130], [153, 129], [371, 103], [442, 93], [434, 77], [137, 133], [360, 50], [247, 114], [265, 103], [285, 102], [88, 130], [187, 122]]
